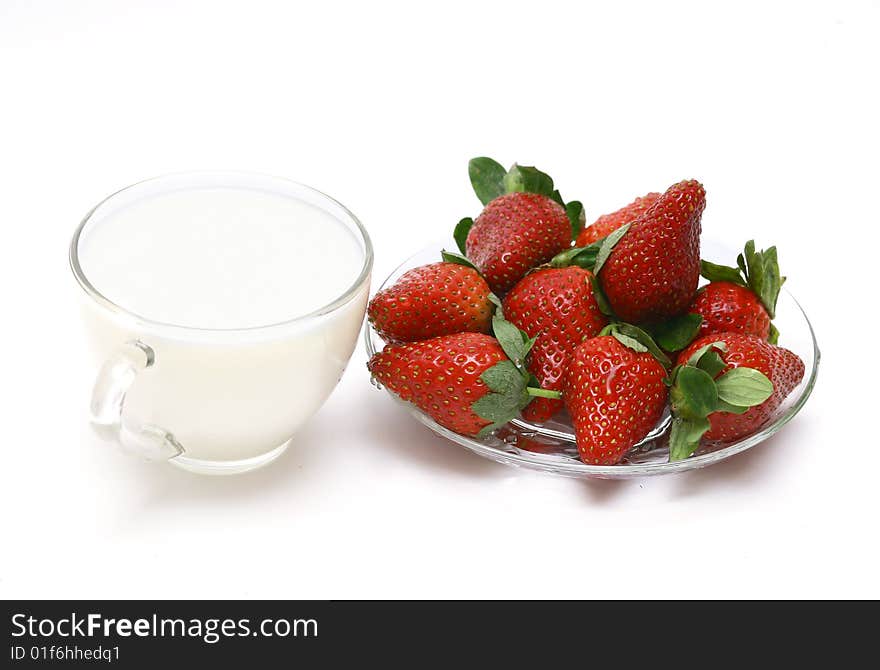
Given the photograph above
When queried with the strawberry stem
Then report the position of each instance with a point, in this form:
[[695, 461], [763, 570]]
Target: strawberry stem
[[543, 393]]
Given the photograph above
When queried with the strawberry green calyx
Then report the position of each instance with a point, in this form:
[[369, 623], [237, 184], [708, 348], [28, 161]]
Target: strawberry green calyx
[[462, 228], [608, 245], [515, 342], [528, 179], [601, 298], [636, 339], [487, 178], [582, 257], [678, 332], [490, 180], [452, 257], [574, 210], [511, 386], [715, 272], [499, 308], [695, 393], [761, 269], [706, 358], [592, 257], [756, 270], [506, 399]]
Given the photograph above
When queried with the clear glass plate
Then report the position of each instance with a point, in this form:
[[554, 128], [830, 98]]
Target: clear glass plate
[[550, 447]]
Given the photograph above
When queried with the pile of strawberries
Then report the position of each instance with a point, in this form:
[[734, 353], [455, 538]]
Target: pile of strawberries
[[539, 312]]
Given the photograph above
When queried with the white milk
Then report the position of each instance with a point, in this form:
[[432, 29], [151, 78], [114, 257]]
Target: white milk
[[191, 262], [220, 258]]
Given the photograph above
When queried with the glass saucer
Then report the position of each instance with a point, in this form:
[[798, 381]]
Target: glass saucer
[[550, 447]]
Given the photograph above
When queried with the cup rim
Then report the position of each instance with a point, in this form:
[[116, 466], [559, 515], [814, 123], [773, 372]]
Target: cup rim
[[92, 292]]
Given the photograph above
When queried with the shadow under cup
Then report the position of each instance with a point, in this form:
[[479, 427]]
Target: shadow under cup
[[216, 400]]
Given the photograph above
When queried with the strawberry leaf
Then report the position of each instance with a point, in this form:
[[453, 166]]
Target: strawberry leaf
[[507, 395], [490, 180], [763, 275], [608, 245], [694, 395], [754, 268], [714, 272], [741, 264], [452, 257], [515, 343], [684, 437], [499, 308], [527, 179], [757, 270], [733, 409], [460, 234], [711, 363], [575, 212], [669, 380], [487, 178], [698, 354], [503, 377], [744, 387], [601, 298], [773, 281], [629, 342], [678, 332], [645, 341], [582, 257], [773, 338]]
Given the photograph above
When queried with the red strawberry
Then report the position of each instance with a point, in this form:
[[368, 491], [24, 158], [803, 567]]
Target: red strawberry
[[441, 376], [741, 299], [465, 381], [556, 306], [653, 271], [726, 386], [615, 396], [608, 223], [728, 307], [514, 233], [432, 300]]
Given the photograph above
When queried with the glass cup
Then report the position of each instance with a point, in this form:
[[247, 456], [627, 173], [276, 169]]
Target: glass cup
[[214, 400]]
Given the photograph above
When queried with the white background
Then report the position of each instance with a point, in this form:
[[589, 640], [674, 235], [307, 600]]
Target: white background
[[773, 106]]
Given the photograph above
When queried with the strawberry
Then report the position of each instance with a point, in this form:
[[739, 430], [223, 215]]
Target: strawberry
[[608, 223], [728, 307], [470, 383], [741, 299], [726, 386], [515, 233], [524, 222], [652, 272], [614, 392], [557, 307], [431, 300]]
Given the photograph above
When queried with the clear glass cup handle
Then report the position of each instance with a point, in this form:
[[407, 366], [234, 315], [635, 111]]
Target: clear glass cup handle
[[114, 380]]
